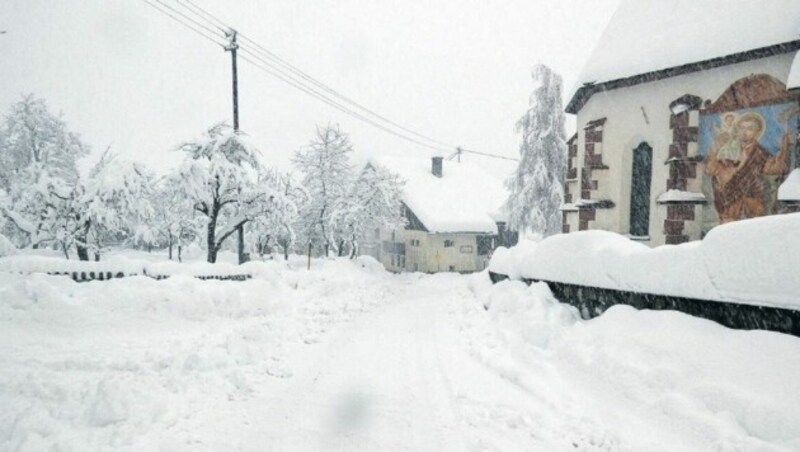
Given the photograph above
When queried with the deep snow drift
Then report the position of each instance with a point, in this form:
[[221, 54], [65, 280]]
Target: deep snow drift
[[750, 261], [349, 357]]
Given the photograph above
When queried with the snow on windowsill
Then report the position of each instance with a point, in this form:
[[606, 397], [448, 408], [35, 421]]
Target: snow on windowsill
[[793, 81], [790, 188], [675, 196]]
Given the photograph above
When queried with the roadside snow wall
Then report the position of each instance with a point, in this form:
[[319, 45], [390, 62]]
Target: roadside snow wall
[[742, 274]]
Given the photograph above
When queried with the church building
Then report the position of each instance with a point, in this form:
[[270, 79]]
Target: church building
[[687, 117]]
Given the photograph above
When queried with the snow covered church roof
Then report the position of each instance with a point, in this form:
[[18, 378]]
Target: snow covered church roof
[[467, 198], [648, 40]]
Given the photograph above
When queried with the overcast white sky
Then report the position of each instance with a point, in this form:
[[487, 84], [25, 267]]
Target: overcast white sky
[[456, 70]]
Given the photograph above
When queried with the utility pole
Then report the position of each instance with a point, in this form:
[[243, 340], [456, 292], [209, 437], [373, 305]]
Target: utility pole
[[232, 47]]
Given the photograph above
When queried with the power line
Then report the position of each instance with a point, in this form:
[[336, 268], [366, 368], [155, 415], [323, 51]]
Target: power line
[[260, 65], [486, 154], [333, 92], [277, 67], [176, 19], [202, 13], [461, 150], [281, 75], [180, 13], [199, 11]]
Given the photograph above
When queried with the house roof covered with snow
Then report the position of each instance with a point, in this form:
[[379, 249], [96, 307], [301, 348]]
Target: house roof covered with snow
[[649, 40], [467, 198]]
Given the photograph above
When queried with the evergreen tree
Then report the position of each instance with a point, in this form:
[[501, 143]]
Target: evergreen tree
[[537, 186]]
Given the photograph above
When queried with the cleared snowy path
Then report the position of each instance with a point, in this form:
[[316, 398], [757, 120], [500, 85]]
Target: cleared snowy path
[[396, 378]]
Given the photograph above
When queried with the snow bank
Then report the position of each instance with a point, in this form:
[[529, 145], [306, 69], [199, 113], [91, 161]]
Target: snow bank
[[751, 262], [124, 363], [505, 260], [6, 247], [675, 382]]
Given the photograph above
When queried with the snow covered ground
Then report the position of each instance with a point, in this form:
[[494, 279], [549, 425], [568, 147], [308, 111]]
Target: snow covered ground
[[349, 357]]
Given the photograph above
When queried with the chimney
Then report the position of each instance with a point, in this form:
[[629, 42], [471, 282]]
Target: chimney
[[436, 166]]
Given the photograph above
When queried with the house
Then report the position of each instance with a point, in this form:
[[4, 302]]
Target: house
[[687, 117], [453, 214]]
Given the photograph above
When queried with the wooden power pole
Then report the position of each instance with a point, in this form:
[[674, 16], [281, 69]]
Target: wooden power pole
[[232, 47]]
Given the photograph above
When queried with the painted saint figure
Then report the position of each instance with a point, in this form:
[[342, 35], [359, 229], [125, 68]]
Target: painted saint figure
[[727, 138], [738, 186]]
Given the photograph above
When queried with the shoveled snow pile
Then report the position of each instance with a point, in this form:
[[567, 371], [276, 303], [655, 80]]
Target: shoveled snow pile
[[115, 364], [6, 247], [637, 380], [751, 261]]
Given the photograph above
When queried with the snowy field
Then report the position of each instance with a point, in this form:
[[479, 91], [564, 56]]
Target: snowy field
[[349, 357]]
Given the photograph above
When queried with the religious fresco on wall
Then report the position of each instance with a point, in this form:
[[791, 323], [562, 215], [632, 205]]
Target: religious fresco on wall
[[747, 154]]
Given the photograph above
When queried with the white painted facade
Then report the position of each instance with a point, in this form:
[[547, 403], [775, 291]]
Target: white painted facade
[[641, 113], [432, 252]]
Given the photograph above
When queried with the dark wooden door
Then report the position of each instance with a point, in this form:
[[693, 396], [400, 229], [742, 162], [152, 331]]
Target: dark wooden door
[[640, 190]]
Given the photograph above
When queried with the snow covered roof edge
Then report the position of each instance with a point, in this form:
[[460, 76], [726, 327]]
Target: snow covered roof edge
[[582, 94], [648, 40]]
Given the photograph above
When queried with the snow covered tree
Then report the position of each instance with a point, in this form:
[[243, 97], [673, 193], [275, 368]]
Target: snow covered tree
[[373, 202], [109, 205], [536, 189], [34, 141], [326, 177], [88, 213], [277, 227], [37, 159], [220, 175], [174, 221]]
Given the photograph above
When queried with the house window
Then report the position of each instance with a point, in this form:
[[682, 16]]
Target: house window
[[393, 236], [415, 242], [449, 243], [465, 249]]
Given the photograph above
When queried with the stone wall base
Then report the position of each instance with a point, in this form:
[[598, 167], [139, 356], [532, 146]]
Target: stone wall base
[[593, 301]]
